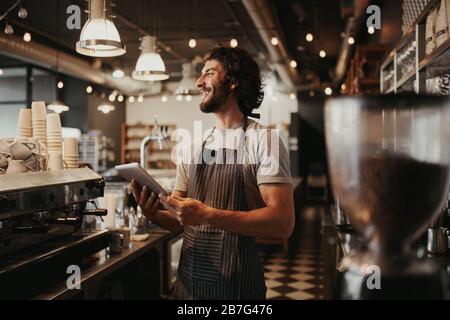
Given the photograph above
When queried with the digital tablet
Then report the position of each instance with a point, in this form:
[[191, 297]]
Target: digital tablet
[[134, 171]]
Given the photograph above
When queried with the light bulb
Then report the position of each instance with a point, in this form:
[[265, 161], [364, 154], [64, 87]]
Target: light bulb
[[188, 98], [292, 96], [179, 97], [131, 99], [233, 43], [60, 84], [293, 64], [328, 91], [140, 98], [343, 87], [322, 54], [22, 13], [164, 98], [371, 30], [2, 72], [27, 37], [309, 37], [89, 89], [120, 98], [118, 73], [351, 40], [192, 43], [9, 29], [274, 41], [112, 98]]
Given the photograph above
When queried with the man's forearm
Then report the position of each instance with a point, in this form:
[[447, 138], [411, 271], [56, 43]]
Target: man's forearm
[[264, 222], [166, 220]]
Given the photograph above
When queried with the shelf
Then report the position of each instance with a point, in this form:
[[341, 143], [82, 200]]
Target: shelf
[[434, 55], [390, 90], [406, 78], [368, 81]]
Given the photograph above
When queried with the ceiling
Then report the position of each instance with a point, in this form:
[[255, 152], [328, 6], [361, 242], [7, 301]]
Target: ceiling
[[174, 22]]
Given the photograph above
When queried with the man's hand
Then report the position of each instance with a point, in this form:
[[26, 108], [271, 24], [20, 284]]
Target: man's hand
[[189, 211], [149, 203]]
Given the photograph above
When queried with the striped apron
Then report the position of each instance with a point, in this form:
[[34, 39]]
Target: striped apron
[[216, 264]]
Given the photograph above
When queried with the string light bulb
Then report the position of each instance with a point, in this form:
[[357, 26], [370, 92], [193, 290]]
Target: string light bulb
[[322, 54], [274, 41], [89, 89], [9, 30], [351, 40], [120, 98], [309, 37], [371, 30], [164, 99], [293, 64], [233, 43], [140, 98], [328, 91], [22, 13], [27, 37], [60, 84], [192, 43]]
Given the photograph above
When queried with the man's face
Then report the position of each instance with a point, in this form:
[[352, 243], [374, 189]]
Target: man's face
[[213, 87]]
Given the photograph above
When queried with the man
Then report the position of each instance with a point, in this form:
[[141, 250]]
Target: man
[[223, 204]]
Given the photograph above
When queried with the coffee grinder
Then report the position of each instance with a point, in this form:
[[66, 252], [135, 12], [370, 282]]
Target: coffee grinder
[[389, 162]]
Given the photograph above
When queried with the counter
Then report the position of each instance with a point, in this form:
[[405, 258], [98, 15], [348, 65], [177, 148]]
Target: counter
[[106, 265]]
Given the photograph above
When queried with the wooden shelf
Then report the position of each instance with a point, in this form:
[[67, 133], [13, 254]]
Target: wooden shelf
[[432, 57], [406, 78], [132, 154]]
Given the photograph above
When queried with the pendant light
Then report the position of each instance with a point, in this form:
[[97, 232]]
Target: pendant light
[[99, 36], [149, 66], [58, 106]]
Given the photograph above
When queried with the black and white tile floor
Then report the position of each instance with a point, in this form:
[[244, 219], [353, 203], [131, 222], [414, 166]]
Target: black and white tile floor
[[297, 275]]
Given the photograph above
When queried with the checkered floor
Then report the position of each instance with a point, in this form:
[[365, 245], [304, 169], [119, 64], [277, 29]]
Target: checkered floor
[[297, 275]]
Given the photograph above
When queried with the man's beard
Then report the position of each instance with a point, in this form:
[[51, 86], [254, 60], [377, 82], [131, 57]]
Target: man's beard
[[218, 99]]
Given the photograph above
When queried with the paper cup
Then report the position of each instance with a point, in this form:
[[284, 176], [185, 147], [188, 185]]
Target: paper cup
[[24, 118], [38, 110]]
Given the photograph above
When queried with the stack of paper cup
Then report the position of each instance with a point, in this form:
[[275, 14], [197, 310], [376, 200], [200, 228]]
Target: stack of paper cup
[[24, 126], [55, 161], [39, 121], [54, 138], [71, 156]]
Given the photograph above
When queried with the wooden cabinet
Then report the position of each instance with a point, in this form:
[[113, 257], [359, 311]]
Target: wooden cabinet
[[363, 75], [159, 157]]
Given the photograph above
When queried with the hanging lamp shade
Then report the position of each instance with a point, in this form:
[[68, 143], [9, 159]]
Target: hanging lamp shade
[[58, 106], [149, 66], [106, 107], [99, 36]]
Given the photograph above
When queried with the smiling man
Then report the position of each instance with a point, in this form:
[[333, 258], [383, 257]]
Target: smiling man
[[234, 186]]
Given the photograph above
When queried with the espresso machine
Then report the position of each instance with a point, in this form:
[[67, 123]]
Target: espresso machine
[[41, 216], [389, 161]]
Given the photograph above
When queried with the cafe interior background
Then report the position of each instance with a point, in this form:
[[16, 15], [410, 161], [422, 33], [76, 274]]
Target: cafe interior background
[[52, 62]]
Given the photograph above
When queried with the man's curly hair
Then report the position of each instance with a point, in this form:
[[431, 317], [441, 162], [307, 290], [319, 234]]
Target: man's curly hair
[[241, 69]]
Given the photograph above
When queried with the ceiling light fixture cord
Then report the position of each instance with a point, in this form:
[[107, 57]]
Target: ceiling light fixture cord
[[10, 9]]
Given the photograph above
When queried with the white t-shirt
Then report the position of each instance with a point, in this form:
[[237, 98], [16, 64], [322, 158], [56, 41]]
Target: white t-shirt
[[263, 155]]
